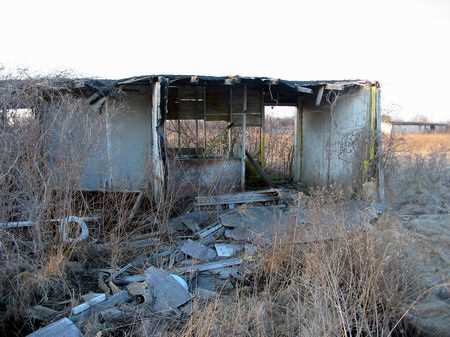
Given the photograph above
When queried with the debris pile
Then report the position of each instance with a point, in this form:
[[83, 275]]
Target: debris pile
[[213, 249]]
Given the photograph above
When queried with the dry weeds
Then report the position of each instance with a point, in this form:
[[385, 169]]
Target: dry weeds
[[359, 285]]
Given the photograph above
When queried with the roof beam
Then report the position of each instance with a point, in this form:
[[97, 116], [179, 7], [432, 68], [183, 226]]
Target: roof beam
[[304, 90], [335, 86], [319, 95]]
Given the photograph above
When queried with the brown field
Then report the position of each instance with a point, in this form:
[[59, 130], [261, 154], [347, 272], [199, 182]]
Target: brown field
[[423, 143]]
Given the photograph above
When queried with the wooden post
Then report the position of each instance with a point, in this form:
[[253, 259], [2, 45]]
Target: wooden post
[[379, 150], [261, 131], [179, 135], [230, 151], [244, 138], [319, 95], [157, 165], [204, 120], [298, 142], [196, 137], [109, 182]]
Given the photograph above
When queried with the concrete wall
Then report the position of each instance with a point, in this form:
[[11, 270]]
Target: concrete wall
[[128, 132], [333, 143], [203, 176], [111, 148]]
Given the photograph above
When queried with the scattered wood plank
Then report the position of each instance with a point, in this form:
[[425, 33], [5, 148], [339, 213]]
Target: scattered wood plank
[[238, 198], [97, 298], [116, 299], [209, 266], [208, 231], [16, 224]]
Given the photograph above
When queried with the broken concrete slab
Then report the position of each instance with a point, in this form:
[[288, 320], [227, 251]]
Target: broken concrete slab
[[228, 249], [210, 282], [197, 250], [64, 327], [257, 224], [168, 293], [191, 220], [260, 225]]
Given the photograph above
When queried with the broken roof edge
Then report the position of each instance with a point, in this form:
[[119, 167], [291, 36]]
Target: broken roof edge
[[104, 87], [236, 79]]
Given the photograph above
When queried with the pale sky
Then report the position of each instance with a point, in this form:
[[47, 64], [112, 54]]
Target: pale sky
[[403, 44]]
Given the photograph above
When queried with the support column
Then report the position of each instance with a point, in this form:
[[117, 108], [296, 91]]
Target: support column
[[380, 168], [261, 132], [156, 162], [244, 139], [230, 103], [298, 142]]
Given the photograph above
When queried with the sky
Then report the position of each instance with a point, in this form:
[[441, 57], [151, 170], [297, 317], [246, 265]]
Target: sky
[[403, 44]]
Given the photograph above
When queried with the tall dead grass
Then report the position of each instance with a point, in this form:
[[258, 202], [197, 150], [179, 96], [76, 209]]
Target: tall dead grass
[[358, 285], [422, 143], [43, 141]]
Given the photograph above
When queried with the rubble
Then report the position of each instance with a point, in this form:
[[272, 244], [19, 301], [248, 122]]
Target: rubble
[[197, 250], [168, 291], [64, 327], [210, 252]]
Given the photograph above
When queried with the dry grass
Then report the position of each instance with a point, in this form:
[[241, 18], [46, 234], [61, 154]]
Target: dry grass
[[425, 143], [359, 285]]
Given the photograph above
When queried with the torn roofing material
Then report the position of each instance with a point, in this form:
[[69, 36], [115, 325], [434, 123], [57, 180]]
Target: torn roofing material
[[104, 86]]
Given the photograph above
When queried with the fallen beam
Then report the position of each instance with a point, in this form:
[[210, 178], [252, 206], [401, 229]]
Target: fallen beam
[[209, 266], [259, 169]]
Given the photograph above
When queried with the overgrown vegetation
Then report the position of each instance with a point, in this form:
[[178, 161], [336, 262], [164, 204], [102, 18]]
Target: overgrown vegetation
[[359, 285]]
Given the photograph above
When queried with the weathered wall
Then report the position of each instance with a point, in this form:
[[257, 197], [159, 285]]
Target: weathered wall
[[333, 142], [130, 138], [200, 176], [112, 147]]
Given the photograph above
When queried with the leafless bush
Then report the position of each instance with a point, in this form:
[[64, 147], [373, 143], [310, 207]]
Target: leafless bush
[[45, 133]]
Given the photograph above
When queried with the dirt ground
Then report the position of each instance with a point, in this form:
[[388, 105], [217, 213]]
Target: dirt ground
[[418, 186]]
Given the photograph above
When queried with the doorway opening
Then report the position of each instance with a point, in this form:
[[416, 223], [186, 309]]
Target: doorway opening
[[279, 140]]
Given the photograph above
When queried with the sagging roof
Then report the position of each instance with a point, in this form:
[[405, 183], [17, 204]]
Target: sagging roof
[[299, 86], [286, 88], [278, 91]]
